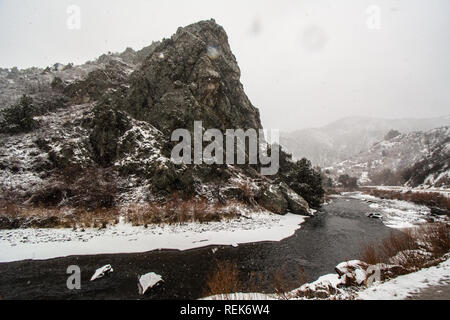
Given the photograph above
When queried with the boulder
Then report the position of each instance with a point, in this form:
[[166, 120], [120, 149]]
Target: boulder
[[435, 211], [358, 273], [296, 204], [389, 271], [272, 198], [192, 76], [352, 273], [322, 288], [101, 272], [148, 281]]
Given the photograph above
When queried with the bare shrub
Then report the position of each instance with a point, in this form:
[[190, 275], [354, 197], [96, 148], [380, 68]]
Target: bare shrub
[[437, 236], [223, 280], [432, 199], [90, 188], [247, 193], [389, 247], [370, 255], [396, 243], [412, 249], [177, 210], [282, 284], [97, 218]]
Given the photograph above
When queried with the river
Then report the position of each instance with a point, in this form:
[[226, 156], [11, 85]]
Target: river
[[336, 233]]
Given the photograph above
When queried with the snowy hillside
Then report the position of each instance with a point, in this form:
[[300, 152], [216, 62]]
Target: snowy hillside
[[98, 135], [347, 137], [406, 155]]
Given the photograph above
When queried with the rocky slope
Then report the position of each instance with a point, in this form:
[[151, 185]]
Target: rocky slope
[[98, 134], [433, 169], [414, 158], [347, 137]]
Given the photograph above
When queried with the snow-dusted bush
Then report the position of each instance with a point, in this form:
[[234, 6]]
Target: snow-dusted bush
[[19, 117], [305, 180]]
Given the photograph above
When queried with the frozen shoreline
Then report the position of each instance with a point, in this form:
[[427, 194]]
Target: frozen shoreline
[[397, 214], [404, 286], [40, 244], [399, 288], [441, 191]]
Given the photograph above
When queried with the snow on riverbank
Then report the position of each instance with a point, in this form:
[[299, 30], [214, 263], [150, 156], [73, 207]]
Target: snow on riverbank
[[22, 244], [398, 288], [441, 191], [404, 286], [394, 213]]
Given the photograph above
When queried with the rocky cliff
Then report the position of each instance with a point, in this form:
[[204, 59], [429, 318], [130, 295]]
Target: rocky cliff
[[99, 133]]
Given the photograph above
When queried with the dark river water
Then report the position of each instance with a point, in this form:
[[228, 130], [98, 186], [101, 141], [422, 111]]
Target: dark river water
[[335, 234]]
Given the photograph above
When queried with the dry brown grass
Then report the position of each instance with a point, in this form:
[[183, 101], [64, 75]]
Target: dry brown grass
[[413, 249], [370, 255], [282, 285], [98, 218], [437, 238], [247, 193], [176, 211], [19, 216], [223, 280], [432, 199]]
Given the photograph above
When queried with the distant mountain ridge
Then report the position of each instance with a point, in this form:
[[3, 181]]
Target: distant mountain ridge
[[415, 158], [344, 138]]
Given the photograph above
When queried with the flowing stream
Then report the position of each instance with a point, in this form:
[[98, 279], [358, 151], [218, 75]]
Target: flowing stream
[[336, 233]]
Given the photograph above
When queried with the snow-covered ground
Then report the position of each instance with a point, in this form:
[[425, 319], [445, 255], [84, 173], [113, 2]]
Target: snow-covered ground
[[394, 213], [422, 189], [21, 244], [404, 286]]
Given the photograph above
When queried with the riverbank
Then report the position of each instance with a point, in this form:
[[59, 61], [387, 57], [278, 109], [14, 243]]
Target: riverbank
[[336, 233], [396, 213], [437, 199], [249, 226], [423, 284], [398, 267], [410, 285]]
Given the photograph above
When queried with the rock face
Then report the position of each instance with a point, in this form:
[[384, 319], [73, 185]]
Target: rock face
[[111, 120], [273, 199], [107, 127], [281, 199], [192, 76], [296, 203]]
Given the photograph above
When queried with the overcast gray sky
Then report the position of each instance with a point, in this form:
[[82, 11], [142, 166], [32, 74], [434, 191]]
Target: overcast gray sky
[[304, 63]]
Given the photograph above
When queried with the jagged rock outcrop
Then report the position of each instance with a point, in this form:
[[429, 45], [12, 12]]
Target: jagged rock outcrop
[[114, 118], [279, 198], [296, 203], [273, 199], [192, 76], [108, 126]]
